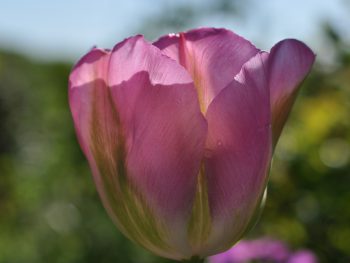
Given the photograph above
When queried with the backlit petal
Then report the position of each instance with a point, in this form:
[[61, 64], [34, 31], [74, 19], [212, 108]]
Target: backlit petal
[[135, 55], [144, 138], [165, 136], [238, 154], [289, 63], [212, 57]]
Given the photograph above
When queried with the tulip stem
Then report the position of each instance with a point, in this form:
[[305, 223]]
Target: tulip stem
[[195, 260]]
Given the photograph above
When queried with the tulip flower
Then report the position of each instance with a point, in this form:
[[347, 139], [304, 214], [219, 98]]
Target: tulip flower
[[179, 133]]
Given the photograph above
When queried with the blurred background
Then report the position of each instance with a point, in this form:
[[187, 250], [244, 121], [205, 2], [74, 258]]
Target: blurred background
[[49, 209]]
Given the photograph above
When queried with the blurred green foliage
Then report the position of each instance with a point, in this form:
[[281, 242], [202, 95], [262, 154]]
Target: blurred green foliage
[[50, 211]]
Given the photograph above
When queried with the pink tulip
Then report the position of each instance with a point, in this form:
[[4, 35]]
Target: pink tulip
[[179, 133]]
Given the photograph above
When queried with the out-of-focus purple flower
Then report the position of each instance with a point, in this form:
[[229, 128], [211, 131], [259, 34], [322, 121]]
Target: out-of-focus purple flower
[[263, 250], [302, 256], [244, 251]]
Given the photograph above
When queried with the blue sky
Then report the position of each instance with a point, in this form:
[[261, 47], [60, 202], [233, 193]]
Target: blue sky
[[66, 29]]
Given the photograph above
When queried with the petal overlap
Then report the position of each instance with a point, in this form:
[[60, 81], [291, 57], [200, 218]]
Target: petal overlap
[[239, 153], [212, 57]]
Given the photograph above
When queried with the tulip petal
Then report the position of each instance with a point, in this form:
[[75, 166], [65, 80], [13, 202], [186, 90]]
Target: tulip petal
[[165, 136], [289, 63], [135, 55], [85, 83], [238, 153], [144, 138], [150, 104], [212, 56]]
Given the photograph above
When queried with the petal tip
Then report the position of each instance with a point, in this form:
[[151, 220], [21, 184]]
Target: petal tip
[[291, 43], [87, 63], [93, 55], [130, 40]]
